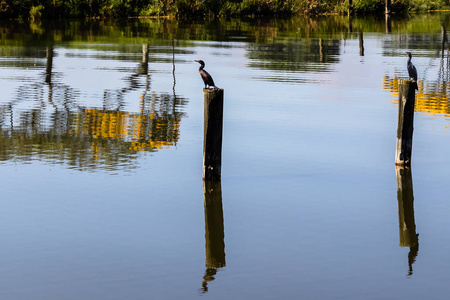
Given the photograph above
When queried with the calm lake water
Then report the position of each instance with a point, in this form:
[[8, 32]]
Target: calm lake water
[[101, 160]]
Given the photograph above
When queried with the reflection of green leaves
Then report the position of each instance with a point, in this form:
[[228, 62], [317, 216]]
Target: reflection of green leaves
[[305, 55], [161, 32], [36, 12]]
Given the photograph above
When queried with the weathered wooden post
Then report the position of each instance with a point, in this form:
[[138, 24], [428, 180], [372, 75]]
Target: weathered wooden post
[[407, 225], [49, 66], [143, 66], [406, 102], [321, 57], [361, 44], [212, 142]]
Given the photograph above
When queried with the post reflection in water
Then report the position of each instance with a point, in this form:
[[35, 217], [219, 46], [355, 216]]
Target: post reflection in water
[[361, 43], [214, 231], [407, 226], [388, 23], [48, 68], [433, 96], [44, 121]]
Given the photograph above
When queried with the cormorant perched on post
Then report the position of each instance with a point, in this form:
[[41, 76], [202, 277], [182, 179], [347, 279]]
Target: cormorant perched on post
[[412, 72], [207, 79]]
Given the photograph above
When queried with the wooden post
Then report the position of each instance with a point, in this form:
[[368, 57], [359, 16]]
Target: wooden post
[[321, 57], [143, 67], [406, 101], [48, 73], [49, 66], [212, 142], [407, 225], [361, 44]]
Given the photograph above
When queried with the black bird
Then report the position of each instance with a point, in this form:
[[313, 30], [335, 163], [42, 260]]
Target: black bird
[[207, 79], [412, 72]]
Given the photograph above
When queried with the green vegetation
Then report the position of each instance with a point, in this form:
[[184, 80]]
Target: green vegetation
[[36, 9]]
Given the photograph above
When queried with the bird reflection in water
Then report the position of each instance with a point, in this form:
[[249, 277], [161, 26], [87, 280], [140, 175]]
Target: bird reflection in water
[[214, 231], [407, 225]]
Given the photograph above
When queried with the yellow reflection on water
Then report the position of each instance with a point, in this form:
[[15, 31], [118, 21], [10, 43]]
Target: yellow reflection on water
[[142, 132], [91, 138], [432, 98]]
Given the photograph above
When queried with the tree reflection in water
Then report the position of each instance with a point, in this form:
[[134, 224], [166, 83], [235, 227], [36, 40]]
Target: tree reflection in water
[[432, 98], [44, 122]]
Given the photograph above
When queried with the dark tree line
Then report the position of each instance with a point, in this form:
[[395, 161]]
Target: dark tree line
[[36, 9]]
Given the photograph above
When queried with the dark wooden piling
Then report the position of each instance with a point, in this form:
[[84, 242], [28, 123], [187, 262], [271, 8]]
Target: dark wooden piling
[[321, 56], [406, 102], [212, 142], [49, 66], [361, 44], [143, 66], [408, 236]]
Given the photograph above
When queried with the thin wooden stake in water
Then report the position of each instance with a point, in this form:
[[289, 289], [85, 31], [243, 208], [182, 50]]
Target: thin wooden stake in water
[[361, 44], [406, 101], [212, 143]]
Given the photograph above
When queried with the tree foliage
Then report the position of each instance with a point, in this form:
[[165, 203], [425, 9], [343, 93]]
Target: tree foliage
[[36, 9]]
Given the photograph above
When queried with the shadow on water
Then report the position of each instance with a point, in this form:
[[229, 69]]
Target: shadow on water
[[214, 231], [407, 226], [44, 121]]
